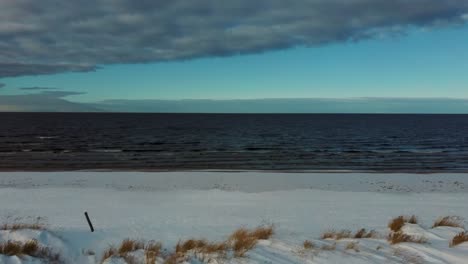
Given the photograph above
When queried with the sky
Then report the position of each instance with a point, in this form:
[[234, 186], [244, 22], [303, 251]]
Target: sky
[[373, 56]]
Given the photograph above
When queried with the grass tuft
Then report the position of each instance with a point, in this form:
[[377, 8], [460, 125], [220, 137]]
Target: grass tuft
[[459, 238], [397, 223], [308, 244], [110, 252], [400, 237], [243, 240], [37, 224], [29, 248], [263, 232], [11, 248], [452, 221], [362, 233], [212, 248], [172, 259], [152, 251], [129, 245], [343, 234], [413, 219], [19, 226], [337, 235]]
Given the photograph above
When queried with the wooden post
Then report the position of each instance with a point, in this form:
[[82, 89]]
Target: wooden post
[[89, 222]]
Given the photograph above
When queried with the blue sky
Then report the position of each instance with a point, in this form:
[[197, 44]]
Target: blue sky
[[428, 61]]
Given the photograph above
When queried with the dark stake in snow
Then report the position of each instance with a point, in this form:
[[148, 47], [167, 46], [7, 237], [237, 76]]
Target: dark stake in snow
[[89, 222]]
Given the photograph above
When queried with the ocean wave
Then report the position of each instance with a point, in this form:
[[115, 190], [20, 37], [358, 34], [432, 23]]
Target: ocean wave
[[46, 137], [106, 150]]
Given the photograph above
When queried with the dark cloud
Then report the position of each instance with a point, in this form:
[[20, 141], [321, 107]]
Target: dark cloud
[[2, 85], [49, 36], [50, 101], [20, 69]]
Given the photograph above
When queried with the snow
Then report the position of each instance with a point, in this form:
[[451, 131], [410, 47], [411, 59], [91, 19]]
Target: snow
[[173, 206]]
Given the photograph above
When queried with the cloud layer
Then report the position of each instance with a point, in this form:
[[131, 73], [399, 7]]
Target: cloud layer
[[49, 36]]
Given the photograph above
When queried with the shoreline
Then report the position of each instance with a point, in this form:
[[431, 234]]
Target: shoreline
[[169, 207], [337, 171], [243, 181]]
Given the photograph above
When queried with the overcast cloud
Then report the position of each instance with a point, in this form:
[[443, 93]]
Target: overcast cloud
[[49, 36]]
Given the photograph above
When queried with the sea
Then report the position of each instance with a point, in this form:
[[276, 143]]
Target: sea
[[270, 142]]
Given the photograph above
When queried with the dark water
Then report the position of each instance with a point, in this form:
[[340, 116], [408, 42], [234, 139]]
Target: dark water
[[393, 143]]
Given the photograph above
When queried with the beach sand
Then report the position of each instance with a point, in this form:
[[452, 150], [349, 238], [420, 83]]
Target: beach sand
[[173, 206]]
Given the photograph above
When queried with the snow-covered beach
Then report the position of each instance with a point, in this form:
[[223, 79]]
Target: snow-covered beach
[[173, 206]]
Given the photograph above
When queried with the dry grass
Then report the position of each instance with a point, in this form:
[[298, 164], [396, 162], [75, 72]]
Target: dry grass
[[452, 221], [413, 219], [201, 246], [29, 248], [171, 259], [36, 224], [343, 234], [191, 244], [353, 246], [18, 226], [212, 248], [243, 240], [152, 251], [11, 248], [308, 244], [197, 247], [263, 232], [459, 238], [337, 235], [240, 242], [129, 245], [362, 233], [110, 252], [400, 237], [150, 257], [398, 222]]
